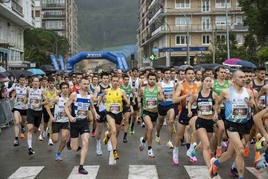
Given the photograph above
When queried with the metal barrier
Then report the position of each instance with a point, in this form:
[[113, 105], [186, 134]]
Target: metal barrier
[[6, 115]]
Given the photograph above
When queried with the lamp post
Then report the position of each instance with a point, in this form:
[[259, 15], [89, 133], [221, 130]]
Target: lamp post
[[227, 31], [169, 49]]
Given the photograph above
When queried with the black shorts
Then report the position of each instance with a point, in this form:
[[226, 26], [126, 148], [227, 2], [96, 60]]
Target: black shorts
[[222, 114], [46, 115], [23, 112], [34, 117], [162, 110], [242, 129], [57, 126], [184, 119], [79, 127], [117, 117], [102, 117], [136, 106], [176, 109], [205, 123], [152, 115]]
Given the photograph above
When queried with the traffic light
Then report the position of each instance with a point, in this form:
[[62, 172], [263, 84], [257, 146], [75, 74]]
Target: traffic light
[[152, 57]]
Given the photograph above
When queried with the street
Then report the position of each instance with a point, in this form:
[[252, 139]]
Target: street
[[16, 163]]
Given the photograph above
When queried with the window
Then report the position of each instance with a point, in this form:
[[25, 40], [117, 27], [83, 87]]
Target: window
[[183, 21], [221, 4], [220, 36], [53, 25], [239, 38], [205, 23], [181, 40], [205, 5], [37, 13], [237, 3], [182, 4], [238, 20], [221, 20], [206, 39]]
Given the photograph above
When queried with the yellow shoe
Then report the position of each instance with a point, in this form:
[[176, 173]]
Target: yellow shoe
[[157, 140], [105, 140], [116, 157]]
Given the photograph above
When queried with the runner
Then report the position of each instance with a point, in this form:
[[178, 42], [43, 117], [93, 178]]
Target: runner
[[114, 107], [35, 98], [166, 109], [127, 111], [183, 94], [80, 102], [20, 109], [239, 100], [93, 86], [150, 95], [60, 121]]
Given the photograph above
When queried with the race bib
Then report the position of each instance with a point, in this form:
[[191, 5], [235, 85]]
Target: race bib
[[240, 111], [151, 103], [82, 111], [261, 102], [114, 108], [34, 101], [168, 96], [205, 108], [20, 101]]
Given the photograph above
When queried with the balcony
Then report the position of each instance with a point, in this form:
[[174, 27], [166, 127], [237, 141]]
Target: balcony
[[17, 8], [53, 5], [49, 15]]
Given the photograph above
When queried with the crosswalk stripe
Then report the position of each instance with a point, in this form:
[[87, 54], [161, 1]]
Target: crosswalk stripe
[[92, 172], [255, 172], [198, 172], [26, 172], [142, 172]]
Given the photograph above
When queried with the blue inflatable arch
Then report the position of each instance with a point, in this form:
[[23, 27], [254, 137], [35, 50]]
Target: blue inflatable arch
[[117, 58]]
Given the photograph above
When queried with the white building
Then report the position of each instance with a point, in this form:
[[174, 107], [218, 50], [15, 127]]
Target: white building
[[15, 16], [37, 14]]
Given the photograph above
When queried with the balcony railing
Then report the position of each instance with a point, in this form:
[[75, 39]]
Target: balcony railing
[[17, 7], [53, 15], [53, 5]]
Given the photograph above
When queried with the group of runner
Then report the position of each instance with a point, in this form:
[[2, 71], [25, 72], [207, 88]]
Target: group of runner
[[205, 111]]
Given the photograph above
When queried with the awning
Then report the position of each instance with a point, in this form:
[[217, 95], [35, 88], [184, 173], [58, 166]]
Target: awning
[[4, 50]]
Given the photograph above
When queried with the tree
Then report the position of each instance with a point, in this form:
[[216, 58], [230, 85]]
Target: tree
[[263, 54], [40, 43]]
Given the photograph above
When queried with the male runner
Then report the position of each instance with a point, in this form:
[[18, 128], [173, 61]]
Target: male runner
[[93, 86], [80, 102], [150, 94]]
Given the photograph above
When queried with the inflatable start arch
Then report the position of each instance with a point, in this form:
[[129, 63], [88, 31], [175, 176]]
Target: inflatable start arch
[[117, 58]]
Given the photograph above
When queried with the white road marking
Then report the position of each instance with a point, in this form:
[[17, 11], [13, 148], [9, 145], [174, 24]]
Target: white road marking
[[142, 172], [198, 172], [256, 173], [29, 172], [92, 172], [111, 158]]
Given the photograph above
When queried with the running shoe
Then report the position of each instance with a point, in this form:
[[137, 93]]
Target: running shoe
[[192, 157], [157, 140], [213, 168], [31, 151], [68, 144], [93, 134], [218, 152], [82, 171], [116, 157], [125, 140], [22, 135], [142, 144], [170, 145], [246, 151], [143, 125], [151, 153], [109, 146], [234, 172], [105, 140], [50, 142], [58, 157], [132, 132], [257, 156], [40, 138], [98, 148], [175, 156], [224, 145], [261, 163], [139, 120], [259, 145], [16, 142]]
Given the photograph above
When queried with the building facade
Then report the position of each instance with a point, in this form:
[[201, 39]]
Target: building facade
[[61, 16], [37, 14], [15, 16], [170, 29]]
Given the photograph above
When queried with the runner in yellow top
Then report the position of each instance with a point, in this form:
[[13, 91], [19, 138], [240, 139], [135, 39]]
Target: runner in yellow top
[[114, 108]]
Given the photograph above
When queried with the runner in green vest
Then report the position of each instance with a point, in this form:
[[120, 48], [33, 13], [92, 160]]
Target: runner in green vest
[[150, 94], [127, 111], [219, 84]]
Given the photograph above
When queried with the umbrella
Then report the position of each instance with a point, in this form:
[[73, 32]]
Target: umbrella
[[247, 64], [231, 61], [36, 71], [182, 67], [207, 66], [2, 69], [18, 73]]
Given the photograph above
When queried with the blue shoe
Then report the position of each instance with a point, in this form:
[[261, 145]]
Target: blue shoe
[[58, 157]]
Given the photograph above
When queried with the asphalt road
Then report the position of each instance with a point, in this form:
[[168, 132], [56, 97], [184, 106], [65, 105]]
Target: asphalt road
[[132, 162]]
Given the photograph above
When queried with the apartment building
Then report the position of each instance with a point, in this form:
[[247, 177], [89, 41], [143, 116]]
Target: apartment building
[[15, 16], [36, 13], [165, 26], [61, 17]]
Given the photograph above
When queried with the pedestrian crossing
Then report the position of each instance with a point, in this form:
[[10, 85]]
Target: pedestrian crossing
[[134, 172]]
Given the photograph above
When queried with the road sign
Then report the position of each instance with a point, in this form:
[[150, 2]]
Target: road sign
[[152, 57]]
